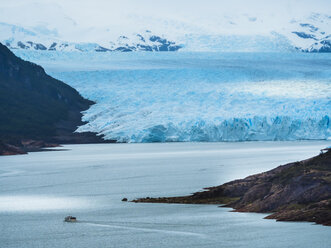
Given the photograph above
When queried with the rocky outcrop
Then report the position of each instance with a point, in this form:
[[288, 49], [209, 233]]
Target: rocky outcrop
[[322, 46], [299, 191], [7, 149]]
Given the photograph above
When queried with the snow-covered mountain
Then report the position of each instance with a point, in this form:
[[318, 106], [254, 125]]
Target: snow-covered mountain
[[312, 34], [194, 27], [15, 37], [309, 35], [202, 25]]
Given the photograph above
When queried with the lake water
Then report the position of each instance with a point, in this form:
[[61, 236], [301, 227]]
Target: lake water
[[88, 181]]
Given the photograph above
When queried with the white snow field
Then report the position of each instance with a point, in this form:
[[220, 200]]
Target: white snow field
[[163, 97]]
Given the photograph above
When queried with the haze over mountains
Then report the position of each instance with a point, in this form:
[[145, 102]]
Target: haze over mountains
[[187, 26]]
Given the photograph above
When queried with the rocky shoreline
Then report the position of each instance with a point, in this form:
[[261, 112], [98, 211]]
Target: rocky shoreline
[[24, 146], [299, 191]]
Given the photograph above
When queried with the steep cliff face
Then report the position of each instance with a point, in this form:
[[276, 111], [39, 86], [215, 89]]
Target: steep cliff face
[[299, 191], [35, 106]]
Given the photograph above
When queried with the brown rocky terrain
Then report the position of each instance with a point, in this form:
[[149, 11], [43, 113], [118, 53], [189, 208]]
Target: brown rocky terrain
[[299, 191]]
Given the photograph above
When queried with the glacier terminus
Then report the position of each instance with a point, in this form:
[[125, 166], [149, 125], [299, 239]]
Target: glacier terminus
[[165, 97]]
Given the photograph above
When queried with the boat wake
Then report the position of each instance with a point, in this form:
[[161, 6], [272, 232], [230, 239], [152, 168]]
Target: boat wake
[[143, 229]]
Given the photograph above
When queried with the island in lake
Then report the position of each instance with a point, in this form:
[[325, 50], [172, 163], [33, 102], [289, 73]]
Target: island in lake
[[299, 191]]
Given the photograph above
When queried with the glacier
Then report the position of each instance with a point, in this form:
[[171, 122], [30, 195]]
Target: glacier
[[198, 96]]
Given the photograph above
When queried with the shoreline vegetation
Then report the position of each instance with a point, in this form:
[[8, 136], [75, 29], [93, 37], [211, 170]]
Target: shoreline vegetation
[[36, 110], [298, 191]]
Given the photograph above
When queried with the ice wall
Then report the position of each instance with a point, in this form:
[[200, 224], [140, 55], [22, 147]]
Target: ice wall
[[200, 96]]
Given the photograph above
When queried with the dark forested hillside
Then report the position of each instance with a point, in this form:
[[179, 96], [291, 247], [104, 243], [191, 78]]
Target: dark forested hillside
[[35, 106]]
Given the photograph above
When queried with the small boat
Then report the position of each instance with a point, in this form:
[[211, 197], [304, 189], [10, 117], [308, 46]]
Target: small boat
[[70, 219]]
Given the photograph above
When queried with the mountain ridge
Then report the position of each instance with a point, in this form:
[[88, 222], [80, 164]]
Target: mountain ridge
[[310, 34], [21, 38]]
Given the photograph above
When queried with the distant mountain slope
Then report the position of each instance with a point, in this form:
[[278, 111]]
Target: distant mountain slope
[[35, 106], [15, 37], [311, 33]]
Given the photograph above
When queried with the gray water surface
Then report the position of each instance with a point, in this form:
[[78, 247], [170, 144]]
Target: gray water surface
[[88, 181]]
